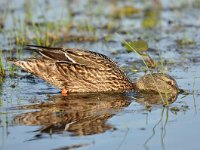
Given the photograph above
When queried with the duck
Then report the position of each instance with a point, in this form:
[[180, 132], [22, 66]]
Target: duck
[[83, 71]]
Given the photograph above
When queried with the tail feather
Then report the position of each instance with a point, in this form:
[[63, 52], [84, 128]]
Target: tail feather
[[25, 65], [48, 53], [42, 68], [39, 48]]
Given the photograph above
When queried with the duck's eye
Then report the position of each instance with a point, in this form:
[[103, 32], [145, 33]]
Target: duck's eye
[[169, 82]]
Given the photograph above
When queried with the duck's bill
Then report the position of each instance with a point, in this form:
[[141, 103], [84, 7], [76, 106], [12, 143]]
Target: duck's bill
[[184, 92]]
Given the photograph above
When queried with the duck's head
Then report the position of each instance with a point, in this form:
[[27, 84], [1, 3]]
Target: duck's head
[[157, 83]]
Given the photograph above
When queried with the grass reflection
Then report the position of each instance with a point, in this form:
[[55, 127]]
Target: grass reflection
[[154, 129]]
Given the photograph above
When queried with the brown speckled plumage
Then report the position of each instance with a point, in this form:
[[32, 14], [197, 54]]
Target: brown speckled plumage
[[78, 70]]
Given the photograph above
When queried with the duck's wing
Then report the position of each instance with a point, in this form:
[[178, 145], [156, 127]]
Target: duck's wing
[[82, 78], [79, 56], [48, 53], [76, 77]]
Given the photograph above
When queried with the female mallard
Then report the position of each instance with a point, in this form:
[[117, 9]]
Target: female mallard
[[77, 70]]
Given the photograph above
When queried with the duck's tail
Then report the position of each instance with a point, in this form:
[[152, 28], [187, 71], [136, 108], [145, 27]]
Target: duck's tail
[[44, 69], [28, 65]]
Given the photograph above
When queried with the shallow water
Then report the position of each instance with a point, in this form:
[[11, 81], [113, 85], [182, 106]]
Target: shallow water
[[34, 115]]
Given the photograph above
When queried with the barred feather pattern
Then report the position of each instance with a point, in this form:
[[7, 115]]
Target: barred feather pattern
[[78, 70], [76, 77]]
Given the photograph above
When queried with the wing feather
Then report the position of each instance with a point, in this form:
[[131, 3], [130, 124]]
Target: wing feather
[[91, 79], [76, 70], [79, 56], [76, 77]]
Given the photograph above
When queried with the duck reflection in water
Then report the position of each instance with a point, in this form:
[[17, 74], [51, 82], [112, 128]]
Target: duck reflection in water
[[83, 114]]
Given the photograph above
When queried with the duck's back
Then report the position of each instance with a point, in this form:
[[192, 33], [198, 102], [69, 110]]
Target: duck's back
[[76, 70]]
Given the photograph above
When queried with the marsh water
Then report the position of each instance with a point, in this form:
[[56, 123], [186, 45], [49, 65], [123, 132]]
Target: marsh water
[[34, 115]]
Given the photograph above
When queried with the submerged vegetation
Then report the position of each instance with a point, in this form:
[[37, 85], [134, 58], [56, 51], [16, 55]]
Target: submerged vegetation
[[185, 42], [126, 11]]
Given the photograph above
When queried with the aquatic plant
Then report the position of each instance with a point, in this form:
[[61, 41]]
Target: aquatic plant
[[135, 46], [2, 69], [185, 42], [28, 11], [151, 18], [3, 15], [125, 11], [141, 47]]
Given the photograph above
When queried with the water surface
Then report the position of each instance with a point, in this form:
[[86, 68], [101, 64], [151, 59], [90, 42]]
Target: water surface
[[34, 115]]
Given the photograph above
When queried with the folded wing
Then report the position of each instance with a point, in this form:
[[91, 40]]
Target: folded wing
[[79, 56], [76, 77]]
